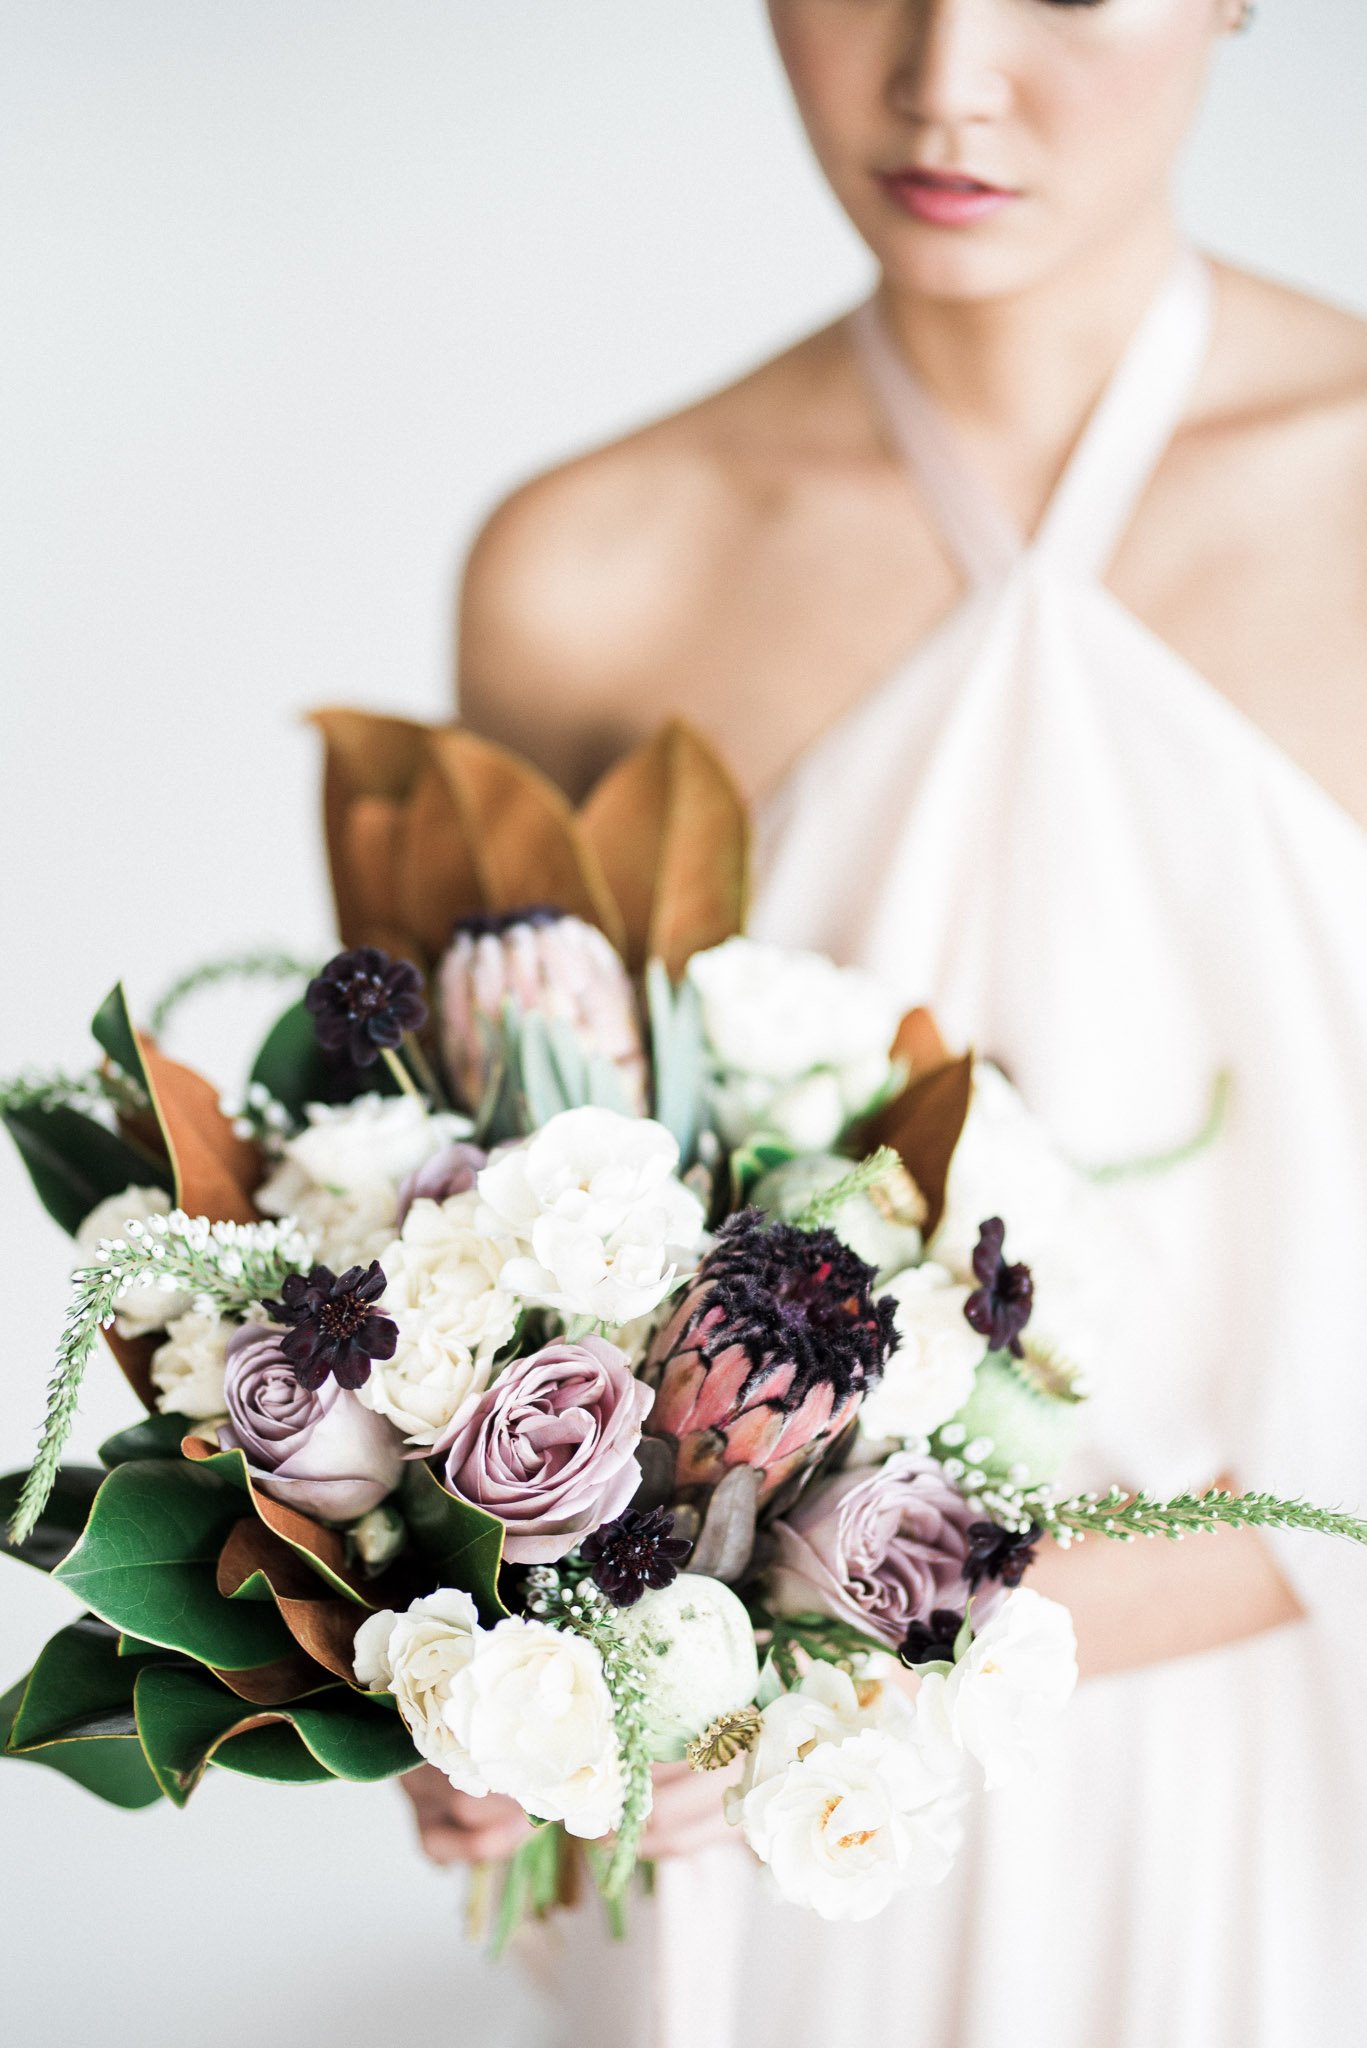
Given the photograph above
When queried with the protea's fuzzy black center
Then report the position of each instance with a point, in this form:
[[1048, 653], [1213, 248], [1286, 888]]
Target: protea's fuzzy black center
[[933, 1642], [638, 1550], [997, 1553], [363, 1002], [333, 1325], [798, 1294], [1000, 1307], [492, 924]]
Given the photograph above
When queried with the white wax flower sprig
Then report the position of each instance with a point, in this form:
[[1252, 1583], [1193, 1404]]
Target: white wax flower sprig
[[223, 1267]]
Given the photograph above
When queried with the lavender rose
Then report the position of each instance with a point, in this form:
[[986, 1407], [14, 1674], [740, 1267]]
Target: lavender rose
[[881, 1548], [452, 1171], [320, 1451], [550, 1448]]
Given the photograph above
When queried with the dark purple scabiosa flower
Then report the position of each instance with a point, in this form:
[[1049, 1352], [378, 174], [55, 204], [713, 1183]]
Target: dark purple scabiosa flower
[[932, 1642], [1000, 1307], [770, 1353], [363, 1002], [333, 1325], [1005, 1555], [637, 1550]]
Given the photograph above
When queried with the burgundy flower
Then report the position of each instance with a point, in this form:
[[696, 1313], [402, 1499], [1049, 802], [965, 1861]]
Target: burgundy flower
[[333, 1325], [880, 1547], [1002, 1554], [636, 1551], [1000, 1308], [769, 1354], [932, 1642], [363, 1002]]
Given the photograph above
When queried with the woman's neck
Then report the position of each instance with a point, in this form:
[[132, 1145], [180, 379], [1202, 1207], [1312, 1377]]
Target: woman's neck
[[1019, 375]]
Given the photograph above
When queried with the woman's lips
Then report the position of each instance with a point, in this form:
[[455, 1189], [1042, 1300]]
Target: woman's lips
[[945, 199]]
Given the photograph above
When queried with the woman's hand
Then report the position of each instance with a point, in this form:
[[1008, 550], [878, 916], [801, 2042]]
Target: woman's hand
[[456, 1828]]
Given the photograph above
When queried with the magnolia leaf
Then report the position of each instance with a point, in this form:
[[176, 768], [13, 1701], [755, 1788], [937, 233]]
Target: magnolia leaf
[[147, 1564], [526, 844], [64, 1516], [670, 829], [918, 1045], [156, 1436], [454, 1543], [321, 1548], [75, 1163], [213, 1170], [295, 1070], [372, 764], [74, 1713], [924, 1125], [133, 1356], [187, 1719], [256, 1564], [292, 1677]]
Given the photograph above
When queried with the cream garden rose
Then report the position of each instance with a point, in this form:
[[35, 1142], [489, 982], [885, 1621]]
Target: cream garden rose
[[930, 1375], [187, 1370], [339, 1177], [1004, 1696], [601, 1223], [147, 1306], [799, 1046], [443, 1292], [419, 1656]]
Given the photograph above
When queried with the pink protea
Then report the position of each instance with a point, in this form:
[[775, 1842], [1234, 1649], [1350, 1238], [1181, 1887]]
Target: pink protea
[[769, 1355], [550, 964]]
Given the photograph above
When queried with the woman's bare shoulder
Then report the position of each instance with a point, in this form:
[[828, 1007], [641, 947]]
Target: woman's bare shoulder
[[580, 582], [1288, 355]]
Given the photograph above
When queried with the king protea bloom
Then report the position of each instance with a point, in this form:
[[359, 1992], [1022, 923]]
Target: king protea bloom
[[548, 963], [769, 1355]]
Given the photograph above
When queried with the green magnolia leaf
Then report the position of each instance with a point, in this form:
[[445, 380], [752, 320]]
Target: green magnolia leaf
[[454, 1543], [320, 1547], [74, 1713], [147, 1561], [62, 1520], [75, 1163], [156, 1436], [187, 1720], [113, 1028]]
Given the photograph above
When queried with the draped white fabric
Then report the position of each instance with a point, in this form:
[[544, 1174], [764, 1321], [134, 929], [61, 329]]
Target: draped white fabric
[[1103, 875]]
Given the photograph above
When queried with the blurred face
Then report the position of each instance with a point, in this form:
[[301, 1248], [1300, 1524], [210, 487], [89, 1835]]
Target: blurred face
[[980, 146]]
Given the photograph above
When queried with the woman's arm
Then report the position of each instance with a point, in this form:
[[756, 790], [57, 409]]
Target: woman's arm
[[1141, 1603]]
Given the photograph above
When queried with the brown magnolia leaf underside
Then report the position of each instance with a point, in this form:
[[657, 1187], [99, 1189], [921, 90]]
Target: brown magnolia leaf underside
[[918, 1044], [670, 829], [271, 1685], [214, 1169], [298, 1531], [924, 1124], [134, 1356], [323, 1626]]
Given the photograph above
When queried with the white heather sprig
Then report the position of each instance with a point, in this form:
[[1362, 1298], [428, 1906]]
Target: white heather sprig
[[102, 1088], [579, 1607], [1123, 1518], [225, 1267]]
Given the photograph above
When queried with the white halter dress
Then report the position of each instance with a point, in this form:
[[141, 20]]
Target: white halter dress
[[1101, 873]]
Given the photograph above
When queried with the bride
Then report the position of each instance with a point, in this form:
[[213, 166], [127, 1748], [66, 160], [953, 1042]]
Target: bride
[[1028, 602]]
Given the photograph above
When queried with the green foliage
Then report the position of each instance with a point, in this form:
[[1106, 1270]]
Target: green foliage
[[454, 1542], [57, 1529], [112, 1025], [751, 1161], [232, 1467], [826, 1204], [156, 1436], [531, 1883], [147, 1565], [75, 1163], [294, 1070], [187, 1719], [266, 965], [814, 1635], [74, 1713], [678, 1054], [1187, 1514]]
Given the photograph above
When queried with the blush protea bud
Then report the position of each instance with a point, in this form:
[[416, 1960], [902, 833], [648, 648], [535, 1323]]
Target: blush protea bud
[[550, 965], [769, 1355]]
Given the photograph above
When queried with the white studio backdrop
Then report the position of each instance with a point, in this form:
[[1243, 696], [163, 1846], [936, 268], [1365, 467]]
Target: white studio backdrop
[[294, 290]]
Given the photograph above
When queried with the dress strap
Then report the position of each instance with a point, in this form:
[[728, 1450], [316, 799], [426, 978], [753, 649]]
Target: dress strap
[[1121, 445]]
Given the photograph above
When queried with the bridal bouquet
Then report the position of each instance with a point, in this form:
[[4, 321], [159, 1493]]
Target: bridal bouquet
[[592, 1341]]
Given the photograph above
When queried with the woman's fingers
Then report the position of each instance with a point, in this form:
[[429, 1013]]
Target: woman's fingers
[[456, 1827]]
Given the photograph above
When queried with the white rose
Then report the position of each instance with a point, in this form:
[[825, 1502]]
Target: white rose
[[420, 1656], [930, 1375], [187, 1370], [339, 1177], [147, 1306], [850, 1824], [830, 1705], [1004, 1697], [601, 1222], [533, 1715], [442, 1289]]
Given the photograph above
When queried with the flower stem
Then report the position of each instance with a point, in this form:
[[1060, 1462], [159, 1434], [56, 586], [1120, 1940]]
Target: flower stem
[[401, 1074]]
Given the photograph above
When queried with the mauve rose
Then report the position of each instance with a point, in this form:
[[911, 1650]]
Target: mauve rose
[[452, 1171], [550, 1448], [880, 1547], [321, 1452]]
